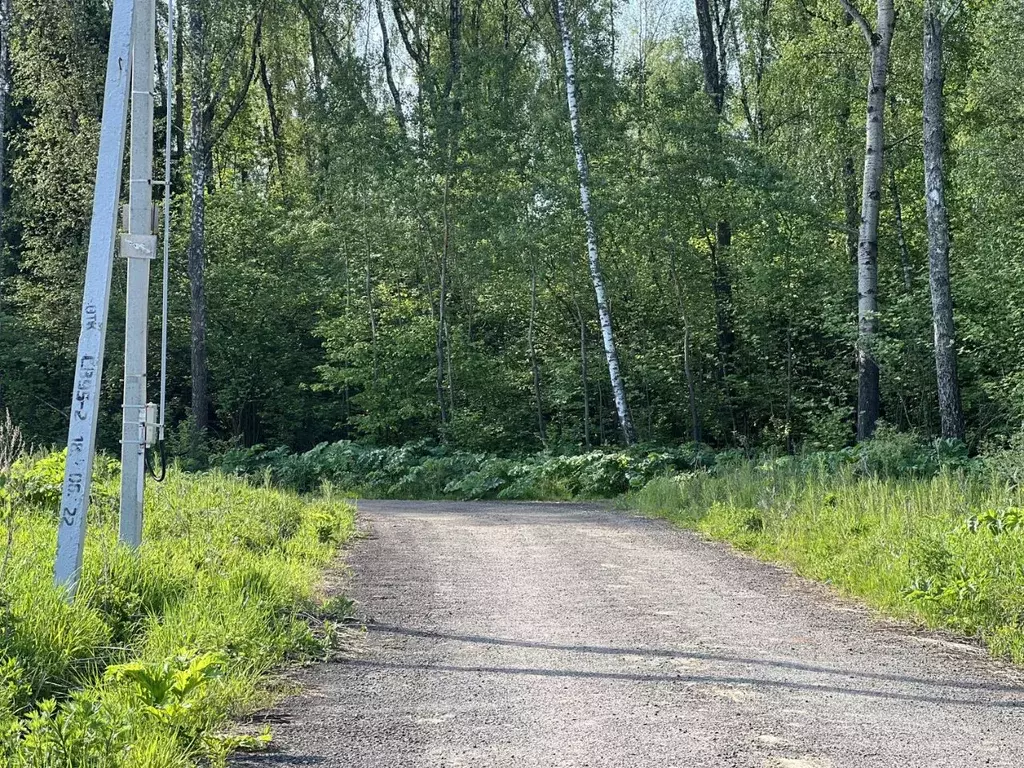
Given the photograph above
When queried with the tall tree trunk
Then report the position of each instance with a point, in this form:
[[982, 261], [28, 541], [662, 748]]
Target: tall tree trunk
[[200, 151], [712, 24], [276, 128], [385, 39], [901, 235], [597, 278], [179, 93], [442, 303], [950, 408], [714, 78], [879, 42], [203, 137], [691, 387], [534, 365], [584, 373]]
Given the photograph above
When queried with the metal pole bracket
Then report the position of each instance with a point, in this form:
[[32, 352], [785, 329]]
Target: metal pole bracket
[[138, 246]]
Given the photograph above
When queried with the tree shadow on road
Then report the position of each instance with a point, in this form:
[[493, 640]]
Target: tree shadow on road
[[945, 687]]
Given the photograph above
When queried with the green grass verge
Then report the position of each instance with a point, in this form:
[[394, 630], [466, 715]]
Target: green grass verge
[[946, 550], [147, 668]]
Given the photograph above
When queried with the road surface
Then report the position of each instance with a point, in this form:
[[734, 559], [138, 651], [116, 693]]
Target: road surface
[[542, 636]]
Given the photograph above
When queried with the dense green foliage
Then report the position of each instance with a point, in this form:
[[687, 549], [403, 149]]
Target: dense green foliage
[[386, 279], [418, 471], [144, 669], [423, 471], [942, 545]]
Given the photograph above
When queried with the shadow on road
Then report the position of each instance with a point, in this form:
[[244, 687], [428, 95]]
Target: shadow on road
[[948, 685]]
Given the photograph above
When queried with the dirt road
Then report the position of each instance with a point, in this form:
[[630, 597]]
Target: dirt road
[[538, 635]]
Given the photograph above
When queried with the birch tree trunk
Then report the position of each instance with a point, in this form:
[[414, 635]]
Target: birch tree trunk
[[597, 278], [879, 42], [950, 408]]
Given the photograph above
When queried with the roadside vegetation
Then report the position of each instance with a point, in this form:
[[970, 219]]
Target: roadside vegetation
[[425, 471], [924, 535], [159, 652]]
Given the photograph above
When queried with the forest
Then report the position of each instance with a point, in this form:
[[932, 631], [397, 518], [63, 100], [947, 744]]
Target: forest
[[799, 221]]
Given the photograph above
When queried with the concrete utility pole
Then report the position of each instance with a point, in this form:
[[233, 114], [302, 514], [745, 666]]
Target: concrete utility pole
[[95, 303], [138, 247], [131, 64]]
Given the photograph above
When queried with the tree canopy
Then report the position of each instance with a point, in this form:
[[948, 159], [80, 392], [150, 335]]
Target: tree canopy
[[379, 203]]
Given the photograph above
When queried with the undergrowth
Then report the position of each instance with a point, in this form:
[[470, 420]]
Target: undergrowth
[[423, 471], [160, 650], [943, 547]]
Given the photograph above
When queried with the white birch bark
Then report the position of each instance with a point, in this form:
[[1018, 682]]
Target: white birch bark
[[596, 276], [950, 407], [879, 42]]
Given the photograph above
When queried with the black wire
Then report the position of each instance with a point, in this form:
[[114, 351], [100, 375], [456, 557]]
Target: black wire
[[162, 447]]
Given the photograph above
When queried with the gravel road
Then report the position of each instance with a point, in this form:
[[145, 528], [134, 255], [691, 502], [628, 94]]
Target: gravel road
[[522, 635]]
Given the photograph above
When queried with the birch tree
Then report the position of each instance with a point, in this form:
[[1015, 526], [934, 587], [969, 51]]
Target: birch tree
[[950, 409], [879, 40], [596, 276]]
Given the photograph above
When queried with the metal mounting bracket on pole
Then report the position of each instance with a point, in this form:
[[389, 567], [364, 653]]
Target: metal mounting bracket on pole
[[95, 303]]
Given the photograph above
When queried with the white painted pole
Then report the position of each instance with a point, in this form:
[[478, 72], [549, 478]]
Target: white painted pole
[[95, 304], [138, 247]]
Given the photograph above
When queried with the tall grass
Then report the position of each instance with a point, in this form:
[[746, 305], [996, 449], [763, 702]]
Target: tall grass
[[946, 549], [162, 647]]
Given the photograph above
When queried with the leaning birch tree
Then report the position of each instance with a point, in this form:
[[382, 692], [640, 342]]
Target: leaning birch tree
[[596, 276], [951, 414], [879, 40]]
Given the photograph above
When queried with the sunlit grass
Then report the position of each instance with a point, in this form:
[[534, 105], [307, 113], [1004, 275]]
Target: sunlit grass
[[946, 550], [223, 581]]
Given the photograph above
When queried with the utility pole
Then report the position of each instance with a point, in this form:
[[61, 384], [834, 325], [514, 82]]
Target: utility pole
[[138, 247], [85, 398], [130, 67]]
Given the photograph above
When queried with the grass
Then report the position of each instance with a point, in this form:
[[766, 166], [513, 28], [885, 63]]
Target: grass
[[160, 650], [947, 550]]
